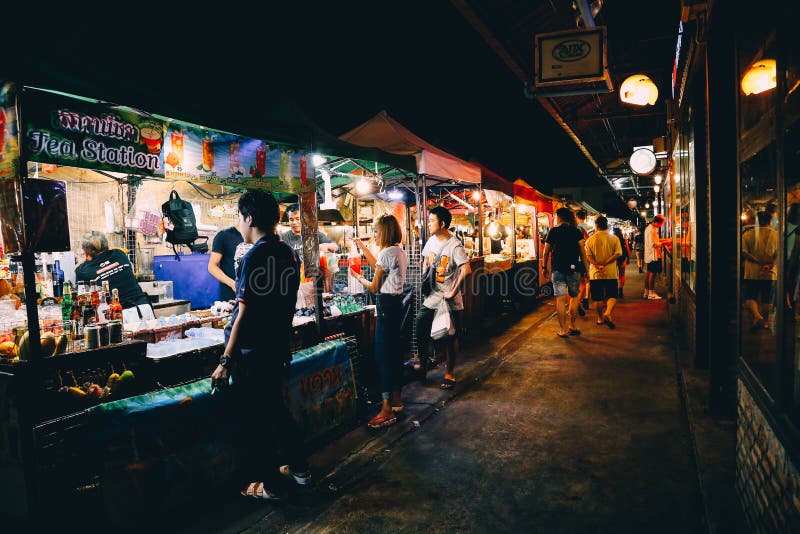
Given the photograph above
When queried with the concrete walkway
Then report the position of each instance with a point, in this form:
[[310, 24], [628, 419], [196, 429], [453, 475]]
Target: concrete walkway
[[542, 434]]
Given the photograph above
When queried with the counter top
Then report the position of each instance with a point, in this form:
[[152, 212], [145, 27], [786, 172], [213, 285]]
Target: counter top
[[168, 303]]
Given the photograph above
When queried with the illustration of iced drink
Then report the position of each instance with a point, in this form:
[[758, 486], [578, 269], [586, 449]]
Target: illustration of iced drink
[[2, 132], [176, 138], [208, 154], [261, 160], [233, 157], [303, 164], [283, 168], [151, 135]]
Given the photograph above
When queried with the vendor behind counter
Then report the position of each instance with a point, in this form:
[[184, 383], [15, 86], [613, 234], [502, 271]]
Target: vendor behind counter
[[115, 267]]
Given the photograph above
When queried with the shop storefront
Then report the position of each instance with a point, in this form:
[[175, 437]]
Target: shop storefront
[[736, 122]]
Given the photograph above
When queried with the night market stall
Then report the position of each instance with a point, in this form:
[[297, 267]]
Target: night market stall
[[438, 174], [97, 399]]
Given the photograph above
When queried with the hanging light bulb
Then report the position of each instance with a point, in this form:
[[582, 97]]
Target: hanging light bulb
[[317, 160], [760, 77], [743, 216], [656, 188], [639, 90], [395, 194], [476, 195], [362, 186], [657, 178], [632, 203], [647, 205]]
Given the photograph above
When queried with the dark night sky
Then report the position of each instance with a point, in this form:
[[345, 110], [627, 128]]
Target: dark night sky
[[341, 61]]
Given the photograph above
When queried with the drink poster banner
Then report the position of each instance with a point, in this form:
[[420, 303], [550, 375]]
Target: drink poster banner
[[204, 155], [320, 390], [70, 131], [9, 133]]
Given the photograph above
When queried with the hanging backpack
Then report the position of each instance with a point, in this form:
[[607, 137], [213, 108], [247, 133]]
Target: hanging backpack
[[184, 226]]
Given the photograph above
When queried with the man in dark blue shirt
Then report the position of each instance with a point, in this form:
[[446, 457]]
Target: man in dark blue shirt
[[257, 350], [220, 262]]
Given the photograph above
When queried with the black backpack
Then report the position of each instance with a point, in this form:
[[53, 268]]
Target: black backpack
[[184, 231]]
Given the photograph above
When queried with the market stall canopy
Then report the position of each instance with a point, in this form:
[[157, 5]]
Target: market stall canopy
[[383, 132], [494, 182], [524, 193]]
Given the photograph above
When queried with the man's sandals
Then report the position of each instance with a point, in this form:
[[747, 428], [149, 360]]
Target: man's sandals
[[256, 490]]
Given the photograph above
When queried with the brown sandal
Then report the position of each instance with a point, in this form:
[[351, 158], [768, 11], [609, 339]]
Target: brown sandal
[[380, 421]]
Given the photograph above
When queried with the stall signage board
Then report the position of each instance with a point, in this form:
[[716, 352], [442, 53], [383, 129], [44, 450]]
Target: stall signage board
[[70, 131], [9, 145], [78, 133], [570, 57]]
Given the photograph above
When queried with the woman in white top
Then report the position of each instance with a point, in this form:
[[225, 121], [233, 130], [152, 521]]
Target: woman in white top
[[390, 275]]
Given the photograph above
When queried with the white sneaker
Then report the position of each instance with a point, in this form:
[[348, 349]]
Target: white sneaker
[[654, 296]]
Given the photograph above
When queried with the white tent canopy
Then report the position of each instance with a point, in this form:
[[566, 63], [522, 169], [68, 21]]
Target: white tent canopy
[[383, 132]]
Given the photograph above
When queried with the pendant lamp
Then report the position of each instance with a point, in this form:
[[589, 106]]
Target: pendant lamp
[[639, 90], [760, 77]]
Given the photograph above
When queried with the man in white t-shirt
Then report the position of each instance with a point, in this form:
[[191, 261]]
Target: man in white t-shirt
[[448, 255], [652, 256]]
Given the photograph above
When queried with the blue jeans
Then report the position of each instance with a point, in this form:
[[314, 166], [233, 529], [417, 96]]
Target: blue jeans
[[388, 355]]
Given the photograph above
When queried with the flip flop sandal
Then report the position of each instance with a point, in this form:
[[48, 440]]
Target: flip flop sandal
[[599, 323], [609, 323], [380, 421], [256, 490], [397, 409], [302, 479], [574, 332], [447, 383], [559, 334]]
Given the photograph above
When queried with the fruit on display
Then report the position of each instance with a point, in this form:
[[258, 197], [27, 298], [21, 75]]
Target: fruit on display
[[24, 347], [113, 381], [61, 344], [8, 349], [94, 391], [126, 377], [5, 287], [48, 341], [76, 392]]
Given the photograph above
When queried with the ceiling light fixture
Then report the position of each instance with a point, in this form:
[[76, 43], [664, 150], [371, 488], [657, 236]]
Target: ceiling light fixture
[[760, 77], [362, 186], [639, 90], [395, 194]]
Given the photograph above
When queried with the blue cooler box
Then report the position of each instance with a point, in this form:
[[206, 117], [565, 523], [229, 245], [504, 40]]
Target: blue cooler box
[[190, 278]]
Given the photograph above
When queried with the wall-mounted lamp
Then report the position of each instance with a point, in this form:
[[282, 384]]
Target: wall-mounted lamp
[[760, 77], [639, 90]]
